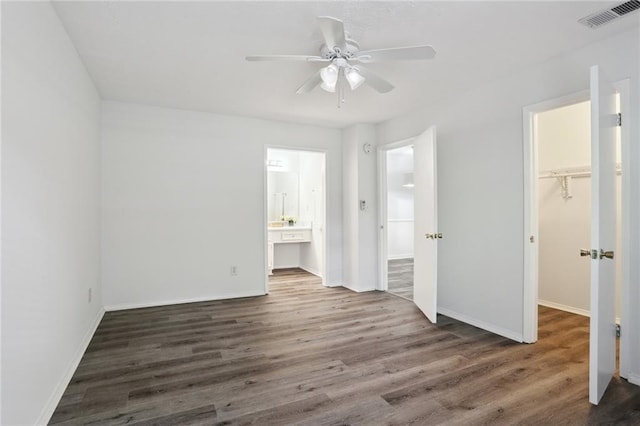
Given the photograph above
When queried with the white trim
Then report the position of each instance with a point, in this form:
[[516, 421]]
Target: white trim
[[265, 217], [310, 270], [358, 290], [509, 334], [56, 395], [626, 308], [383, 268], [566, 308], [401, 256], [634, 379], [1, 198], [287, 265], [570, 309], [124, 306], [530, 266]]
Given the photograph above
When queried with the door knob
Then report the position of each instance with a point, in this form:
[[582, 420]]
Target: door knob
[[607, 254], [592, 253]]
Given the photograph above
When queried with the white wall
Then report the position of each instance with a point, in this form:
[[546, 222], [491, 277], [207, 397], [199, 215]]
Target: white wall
[[480, 179], [399, 204], [50, 217], [360, 226], [350, 216], [183, 201]]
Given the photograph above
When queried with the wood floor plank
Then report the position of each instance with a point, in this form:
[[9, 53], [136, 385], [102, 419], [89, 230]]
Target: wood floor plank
[[400, 277], [310, 355]]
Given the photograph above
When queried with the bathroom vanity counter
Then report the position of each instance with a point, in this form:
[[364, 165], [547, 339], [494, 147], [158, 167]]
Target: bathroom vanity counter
[[289, 234], [290, 238]]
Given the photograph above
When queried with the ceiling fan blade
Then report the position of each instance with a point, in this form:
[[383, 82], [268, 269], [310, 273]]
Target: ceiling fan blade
[[303, 58], [333, 32], [310, 84], [379, 84], [414, 53]]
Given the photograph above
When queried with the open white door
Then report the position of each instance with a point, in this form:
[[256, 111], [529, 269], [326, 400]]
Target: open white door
[[425, 224], [602, 350]]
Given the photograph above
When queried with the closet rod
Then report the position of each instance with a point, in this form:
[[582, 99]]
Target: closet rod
[[573, 174]]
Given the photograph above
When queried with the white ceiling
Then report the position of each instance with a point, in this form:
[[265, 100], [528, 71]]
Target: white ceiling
[[190, 55]]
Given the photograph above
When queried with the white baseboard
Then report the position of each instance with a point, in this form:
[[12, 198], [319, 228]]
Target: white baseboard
[[358, 290], [54, 399], [333, 285], [570, 309], [634, 379], [286, 265], [137, 305], [566, 308], [509, 334], [311, 270], [401, 256]]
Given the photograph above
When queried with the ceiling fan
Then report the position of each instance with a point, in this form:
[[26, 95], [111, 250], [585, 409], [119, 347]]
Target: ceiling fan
[[345, 60]]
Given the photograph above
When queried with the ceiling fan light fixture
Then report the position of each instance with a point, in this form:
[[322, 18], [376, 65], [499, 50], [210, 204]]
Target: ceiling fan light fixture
[[328, 87], [329, 75], [354, 78]]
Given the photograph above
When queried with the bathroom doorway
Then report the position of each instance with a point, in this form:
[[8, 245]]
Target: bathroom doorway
[[295, 209]]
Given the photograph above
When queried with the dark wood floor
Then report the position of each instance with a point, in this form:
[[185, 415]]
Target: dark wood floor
[[400, 277], [311, 355]]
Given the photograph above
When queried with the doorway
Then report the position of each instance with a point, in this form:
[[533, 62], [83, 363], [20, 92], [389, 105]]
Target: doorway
[[569, 188], [295, 211], [562, 137], [399, 221], [418, 169]]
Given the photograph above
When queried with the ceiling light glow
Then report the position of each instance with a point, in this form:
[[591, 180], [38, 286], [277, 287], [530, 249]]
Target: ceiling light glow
[[329, 74], [354, 78]]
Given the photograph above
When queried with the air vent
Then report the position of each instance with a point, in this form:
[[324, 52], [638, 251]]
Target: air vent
[[605, 16]]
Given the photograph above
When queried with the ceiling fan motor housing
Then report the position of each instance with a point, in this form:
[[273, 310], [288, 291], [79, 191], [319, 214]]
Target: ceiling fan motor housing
[[351, 48]]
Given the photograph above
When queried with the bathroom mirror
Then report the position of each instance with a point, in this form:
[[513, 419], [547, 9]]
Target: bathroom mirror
[[283, 188]]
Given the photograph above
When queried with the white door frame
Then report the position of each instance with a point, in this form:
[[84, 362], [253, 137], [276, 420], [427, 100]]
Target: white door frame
[[530, 162], [383, 281], [265, 211]]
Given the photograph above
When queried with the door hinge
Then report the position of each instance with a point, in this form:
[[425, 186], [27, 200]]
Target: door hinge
[[619, 120], [532, 239], [617, 330]]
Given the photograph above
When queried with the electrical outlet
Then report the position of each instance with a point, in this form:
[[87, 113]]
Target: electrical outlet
[[90, 295], [234, 271]]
